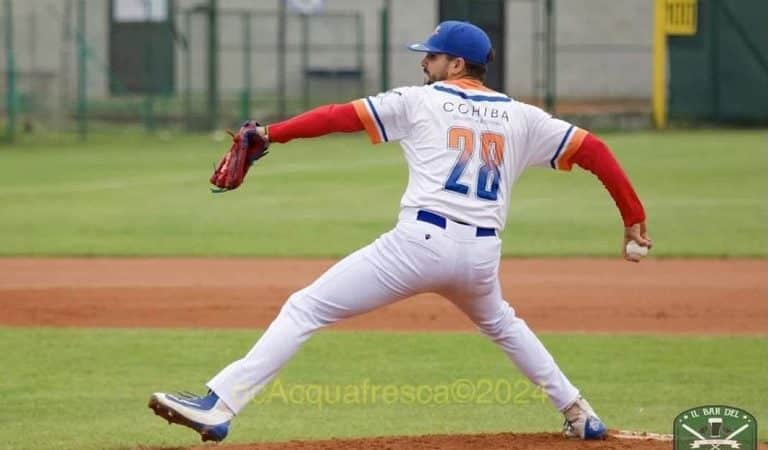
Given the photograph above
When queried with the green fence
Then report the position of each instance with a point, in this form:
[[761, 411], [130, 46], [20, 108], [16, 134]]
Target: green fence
[[10, 105], [721, 73], [74, 66], [320, 56], [196, 68]]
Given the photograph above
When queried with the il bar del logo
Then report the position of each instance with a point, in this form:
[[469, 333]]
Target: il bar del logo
[[715, 427]]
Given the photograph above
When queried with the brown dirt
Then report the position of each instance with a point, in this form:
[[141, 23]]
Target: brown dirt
[[590, 295], [496, 441], [488, 441]]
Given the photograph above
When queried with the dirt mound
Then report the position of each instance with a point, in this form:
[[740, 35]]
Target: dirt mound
[[532, 441]]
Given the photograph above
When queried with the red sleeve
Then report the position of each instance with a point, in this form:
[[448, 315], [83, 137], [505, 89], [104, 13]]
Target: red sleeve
[[593, 155], [317, 122]]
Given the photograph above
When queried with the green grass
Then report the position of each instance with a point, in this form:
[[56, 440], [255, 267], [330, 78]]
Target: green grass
[[59, 392], [129, 194]]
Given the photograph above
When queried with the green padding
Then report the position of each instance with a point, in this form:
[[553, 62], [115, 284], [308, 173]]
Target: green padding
[[721, 73]]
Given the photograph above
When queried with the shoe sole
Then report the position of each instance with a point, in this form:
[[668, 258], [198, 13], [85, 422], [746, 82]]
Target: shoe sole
[[207, 433]]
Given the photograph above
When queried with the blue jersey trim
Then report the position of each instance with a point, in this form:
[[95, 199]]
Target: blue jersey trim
[[560, 147], [477, 98], [378, 120]]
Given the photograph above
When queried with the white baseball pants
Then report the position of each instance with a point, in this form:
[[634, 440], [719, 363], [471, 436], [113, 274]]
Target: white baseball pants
[[413, 258]]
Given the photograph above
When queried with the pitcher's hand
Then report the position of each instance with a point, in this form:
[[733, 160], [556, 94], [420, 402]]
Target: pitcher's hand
[[639, 234]]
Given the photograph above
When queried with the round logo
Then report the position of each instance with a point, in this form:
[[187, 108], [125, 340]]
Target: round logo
[[715, 427]]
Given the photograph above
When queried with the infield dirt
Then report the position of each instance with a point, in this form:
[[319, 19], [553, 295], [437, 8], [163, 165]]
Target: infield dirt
[[589, 295]]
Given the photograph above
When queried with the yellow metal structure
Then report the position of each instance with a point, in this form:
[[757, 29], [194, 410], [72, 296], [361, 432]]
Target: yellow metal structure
[[680, 17], [670, 18]]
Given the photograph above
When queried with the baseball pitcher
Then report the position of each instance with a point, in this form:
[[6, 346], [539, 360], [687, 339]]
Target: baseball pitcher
[[466, 146]]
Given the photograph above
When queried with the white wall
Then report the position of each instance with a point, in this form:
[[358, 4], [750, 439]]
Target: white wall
[[604, 46]]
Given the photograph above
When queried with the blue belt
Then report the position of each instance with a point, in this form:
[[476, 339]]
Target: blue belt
[[440, 221]]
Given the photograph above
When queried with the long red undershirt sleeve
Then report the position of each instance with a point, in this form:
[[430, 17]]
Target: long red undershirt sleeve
[[593, 155], [317, 122]]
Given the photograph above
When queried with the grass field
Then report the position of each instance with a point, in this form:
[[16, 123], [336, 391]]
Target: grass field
[[133, 195], [87, 389], [128, 194]]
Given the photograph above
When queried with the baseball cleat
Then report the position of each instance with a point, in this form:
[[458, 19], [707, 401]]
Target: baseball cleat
[[207, 415], [582, 422]]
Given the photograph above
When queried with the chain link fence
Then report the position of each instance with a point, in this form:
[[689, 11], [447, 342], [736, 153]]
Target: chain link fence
[[68, 69], [77, 66]]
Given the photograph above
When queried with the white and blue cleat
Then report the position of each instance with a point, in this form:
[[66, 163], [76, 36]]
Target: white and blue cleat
[[582, 422], [207, 415]]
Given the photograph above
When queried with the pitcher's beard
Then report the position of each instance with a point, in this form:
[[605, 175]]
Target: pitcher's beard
[[429, 79]]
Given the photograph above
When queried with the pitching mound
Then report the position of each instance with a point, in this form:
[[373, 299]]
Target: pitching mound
[[533, 441]]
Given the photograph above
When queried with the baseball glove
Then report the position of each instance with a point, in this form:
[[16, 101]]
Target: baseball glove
[[247, 147]]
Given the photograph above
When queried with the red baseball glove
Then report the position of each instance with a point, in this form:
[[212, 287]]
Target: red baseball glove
[[247, 147]]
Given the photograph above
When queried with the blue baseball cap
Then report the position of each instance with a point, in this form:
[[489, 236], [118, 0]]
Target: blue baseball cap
[[460, 39]]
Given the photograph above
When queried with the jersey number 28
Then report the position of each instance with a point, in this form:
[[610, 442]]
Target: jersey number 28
[[491, 153]]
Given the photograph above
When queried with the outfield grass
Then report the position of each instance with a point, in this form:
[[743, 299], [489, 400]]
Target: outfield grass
[[129, 194], [60, 394]]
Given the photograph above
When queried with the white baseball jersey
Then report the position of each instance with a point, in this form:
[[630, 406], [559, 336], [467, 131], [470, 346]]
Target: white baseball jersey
[[466, 145]]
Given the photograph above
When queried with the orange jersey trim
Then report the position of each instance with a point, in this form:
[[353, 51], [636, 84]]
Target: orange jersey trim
[[564, 162], [365, 117], [469, 83]]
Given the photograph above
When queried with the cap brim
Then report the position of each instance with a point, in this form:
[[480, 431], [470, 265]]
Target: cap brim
[[423, 48]]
